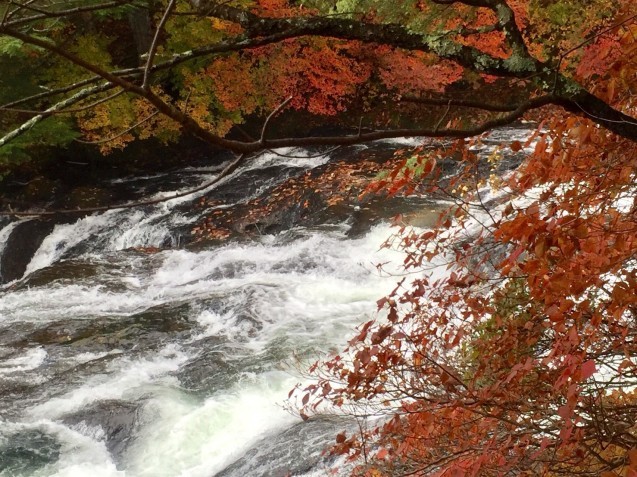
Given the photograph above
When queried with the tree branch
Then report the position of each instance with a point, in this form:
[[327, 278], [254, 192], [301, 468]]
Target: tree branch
[[395, 133], [65, 111], [64, 13], [346, 29], [121, 133], [153, 46], [462, 103], [566, 92], [168, 110], [270, 116], [52, 92], [85, 93]]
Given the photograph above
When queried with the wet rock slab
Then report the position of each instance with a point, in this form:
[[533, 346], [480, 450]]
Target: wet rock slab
[[117, 420], [22, 243], [295, 451]]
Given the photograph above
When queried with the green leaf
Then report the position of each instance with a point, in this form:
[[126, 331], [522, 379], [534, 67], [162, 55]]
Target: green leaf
[[11, 46]]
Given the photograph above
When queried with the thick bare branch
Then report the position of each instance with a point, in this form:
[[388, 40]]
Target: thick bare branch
[[506, 21], [262, 31], [76, 98], [168, 110], [394, 133], [566, 92], [388, 33]]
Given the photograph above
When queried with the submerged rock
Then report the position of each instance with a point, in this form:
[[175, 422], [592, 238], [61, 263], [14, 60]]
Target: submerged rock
[[116, 419], [26, 452], [321, 195], [295, 451]]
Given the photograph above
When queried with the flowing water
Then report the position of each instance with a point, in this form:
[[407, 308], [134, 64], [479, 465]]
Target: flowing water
[[118, 362]]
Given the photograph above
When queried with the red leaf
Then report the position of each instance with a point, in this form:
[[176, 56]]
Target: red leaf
[[588, 369], [564, 411]]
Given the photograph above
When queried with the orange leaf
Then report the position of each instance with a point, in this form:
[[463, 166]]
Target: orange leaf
[[382, 453], [632, 457]]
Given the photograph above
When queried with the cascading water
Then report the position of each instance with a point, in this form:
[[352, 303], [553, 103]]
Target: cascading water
[[117, 362]]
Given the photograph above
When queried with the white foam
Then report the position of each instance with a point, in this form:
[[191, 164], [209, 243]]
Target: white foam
[[129, 380], [189, 438], [69, 301], [286, 156], [65, 236], [87, 357], [32, 359], [5, 232], [277, 296]]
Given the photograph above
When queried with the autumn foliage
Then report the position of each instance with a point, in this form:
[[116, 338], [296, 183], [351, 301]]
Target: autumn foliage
[[513, 350], [510, 346]]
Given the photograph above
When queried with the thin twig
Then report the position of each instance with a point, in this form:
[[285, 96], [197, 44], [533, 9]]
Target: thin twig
[[120, 134], [225, 172], [5, 15], [585, 42], [442, 118], [270, 116], [64, 111], [64, 13], [462, 103], [26, 6], [153, 46], [53, 92]]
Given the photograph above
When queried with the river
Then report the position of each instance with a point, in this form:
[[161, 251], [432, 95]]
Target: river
[[119, 362]]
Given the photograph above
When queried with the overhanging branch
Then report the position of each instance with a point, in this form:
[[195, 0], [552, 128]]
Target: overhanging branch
[[262, 31], [76, 98], [43, 15]]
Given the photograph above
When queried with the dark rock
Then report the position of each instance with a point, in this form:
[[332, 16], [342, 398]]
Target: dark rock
[[210, 370], [296, 450], [117, 419], [68, 270], [145, 330], [87, 196], [324, 194], [23, 242], [41, 189]]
